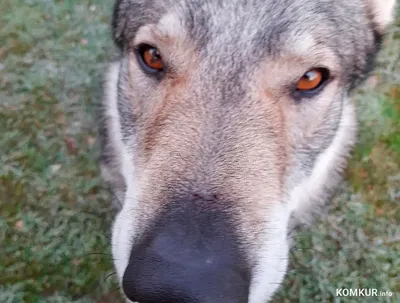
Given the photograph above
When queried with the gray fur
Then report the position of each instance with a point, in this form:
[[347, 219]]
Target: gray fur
[[207, 129]]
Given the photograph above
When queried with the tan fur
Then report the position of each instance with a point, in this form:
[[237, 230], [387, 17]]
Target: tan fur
[[221, 131]]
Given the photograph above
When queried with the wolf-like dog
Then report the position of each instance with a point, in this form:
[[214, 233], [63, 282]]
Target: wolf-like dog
[[225, 123]]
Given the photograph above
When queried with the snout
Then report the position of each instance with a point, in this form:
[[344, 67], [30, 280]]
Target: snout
[[190, 255]]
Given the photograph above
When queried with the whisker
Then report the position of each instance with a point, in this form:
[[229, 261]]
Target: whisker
[[110, 275], [120, 204], [99, 253]]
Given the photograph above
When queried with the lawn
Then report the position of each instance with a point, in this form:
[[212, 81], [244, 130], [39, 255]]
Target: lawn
[[55, 214]]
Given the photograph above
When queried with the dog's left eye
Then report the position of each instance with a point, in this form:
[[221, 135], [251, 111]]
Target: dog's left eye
[[312, 80], [150, 58]]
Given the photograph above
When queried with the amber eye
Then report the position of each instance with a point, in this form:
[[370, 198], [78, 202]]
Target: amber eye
[[150, 58], [312, 80]]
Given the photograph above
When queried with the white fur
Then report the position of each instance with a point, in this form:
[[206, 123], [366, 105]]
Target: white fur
[[382, 11], [170, 25], [272, 257], [312, 188], [124, 226]]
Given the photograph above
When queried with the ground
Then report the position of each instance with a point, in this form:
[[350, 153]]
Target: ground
[[55, 214]]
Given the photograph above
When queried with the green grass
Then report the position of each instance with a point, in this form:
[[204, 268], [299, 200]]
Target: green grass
[[55, 214]]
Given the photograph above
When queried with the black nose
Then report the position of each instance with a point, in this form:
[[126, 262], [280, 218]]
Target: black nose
[[189, 256]]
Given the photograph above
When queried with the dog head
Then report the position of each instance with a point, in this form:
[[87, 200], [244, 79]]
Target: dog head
[[228, 121]]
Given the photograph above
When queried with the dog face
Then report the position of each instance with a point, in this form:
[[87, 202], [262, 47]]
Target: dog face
[[224, 123]]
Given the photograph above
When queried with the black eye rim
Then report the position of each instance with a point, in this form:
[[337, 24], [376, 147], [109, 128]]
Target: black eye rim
[[326, 78], [139, 51]]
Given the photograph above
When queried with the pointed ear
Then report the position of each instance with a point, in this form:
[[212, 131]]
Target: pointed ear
[[381, 11], [119, 21]]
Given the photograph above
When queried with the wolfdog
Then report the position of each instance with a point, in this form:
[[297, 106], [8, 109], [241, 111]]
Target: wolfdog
[[225, 123]]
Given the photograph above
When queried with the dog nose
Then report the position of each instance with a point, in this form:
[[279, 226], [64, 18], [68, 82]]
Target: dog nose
[[188, 259]]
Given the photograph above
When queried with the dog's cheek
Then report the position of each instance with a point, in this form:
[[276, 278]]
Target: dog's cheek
[[121, 244], [272, 256], [126, 223]]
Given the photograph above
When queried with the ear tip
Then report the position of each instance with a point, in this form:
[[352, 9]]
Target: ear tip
[[382, 11]]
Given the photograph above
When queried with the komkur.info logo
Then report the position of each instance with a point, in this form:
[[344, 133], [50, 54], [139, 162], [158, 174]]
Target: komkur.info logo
[[362, 292]]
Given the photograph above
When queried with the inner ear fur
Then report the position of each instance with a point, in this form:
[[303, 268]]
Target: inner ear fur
[[382, 12]]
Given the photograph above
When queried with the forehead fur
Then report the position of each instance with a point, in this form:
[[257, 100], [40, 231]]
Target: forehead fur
[[255, 18], [239, 34]]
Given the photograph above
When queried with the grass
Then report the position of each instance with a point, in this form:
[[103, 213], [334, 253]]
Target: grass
[[55, 214]]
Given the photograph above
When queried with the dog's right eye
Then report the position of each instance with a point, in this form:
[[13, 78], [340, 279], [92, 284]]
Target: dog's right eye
[[150, 59]]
